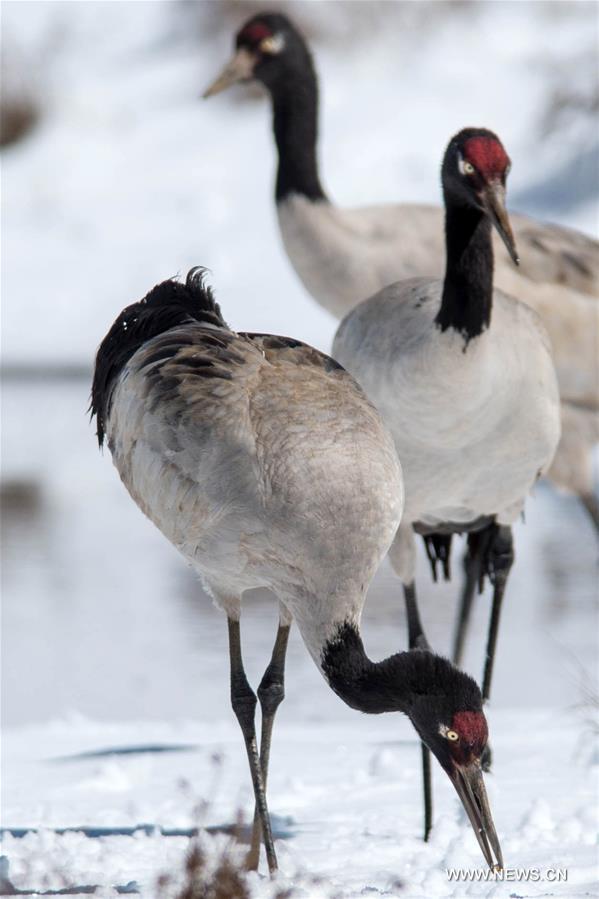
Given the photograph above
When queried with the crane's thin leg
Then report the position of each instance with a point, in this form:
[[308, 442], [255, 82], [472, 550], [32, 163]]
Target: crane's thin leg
[[416, 636], [271, 693], [591, 504], [472, 575], [417, 640], [243, 700], [478, 543], [427, 788], [500, 561]]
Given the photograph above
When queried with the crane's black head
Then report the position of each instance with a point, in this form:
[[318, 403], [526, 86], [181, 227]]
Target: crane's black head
[[445, 707], [474, 173], [270, 49], [443, 703], [168, 305]]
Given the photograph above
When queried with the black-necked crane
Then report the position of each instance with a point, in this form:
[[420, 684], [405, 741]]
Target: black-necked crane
[[265, 465], [464, 378], [343, 256]]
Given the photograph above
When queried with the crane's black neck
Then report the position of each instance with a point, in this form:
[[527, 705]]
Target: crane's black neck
[[295, 123], [424, 686], [372, 687], [468, 286]]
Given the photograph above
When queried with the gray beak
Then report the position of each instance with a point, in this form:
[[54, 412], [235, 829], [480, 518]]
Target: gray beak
[[240, 68], [493, 200], [470, 787]]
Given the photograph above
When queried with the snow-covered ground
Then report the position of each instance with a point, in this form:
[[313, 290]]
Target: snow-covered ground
[[345, 795], [107, 639]]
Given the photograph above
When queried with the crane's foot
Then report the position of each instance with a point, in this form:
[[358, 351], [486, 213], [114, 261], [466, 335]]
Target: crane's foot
[[438, 551]]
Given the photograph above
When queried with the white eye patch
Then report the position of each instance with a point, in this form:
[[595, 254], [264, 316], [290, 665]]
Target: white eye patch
[[272, 44], [447, 733], [464, 167]]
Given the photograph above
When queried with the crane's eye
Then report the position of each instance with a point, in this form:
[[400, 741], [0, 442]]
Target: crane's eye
[[452, 735], [464, 167], [272, 44]]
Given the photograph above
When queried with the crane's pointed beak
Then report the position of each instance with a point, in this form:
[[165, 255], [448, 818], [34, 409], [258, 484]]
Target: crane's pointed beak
[[240, 68], [470, 787], [493, 200]]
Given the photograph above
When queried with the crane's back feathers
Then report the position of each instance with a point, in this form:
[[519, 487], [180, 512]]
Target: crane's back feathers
[[258, 457]]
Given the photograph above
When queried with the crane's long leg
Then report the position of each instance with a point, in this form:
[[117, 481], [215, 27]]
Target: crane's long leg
[[500, 561], [427, 790], [416, 636], [417, 640], [271, 693], [478, 543], [591, 504], [243, 700]]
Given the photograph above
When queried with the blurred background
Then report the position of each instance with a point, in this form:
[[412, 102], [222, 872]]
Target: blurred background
[[116, 176]]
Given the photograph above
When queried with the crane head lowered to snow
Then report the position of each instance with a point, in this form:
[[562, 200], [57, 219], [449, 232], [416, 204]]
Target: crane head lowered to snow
[[443, 703], [458, 740]]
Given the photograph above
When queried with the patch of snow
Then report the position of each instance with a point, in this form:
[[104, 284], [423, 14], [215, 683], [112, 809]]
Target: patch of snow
[[357, 830]]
